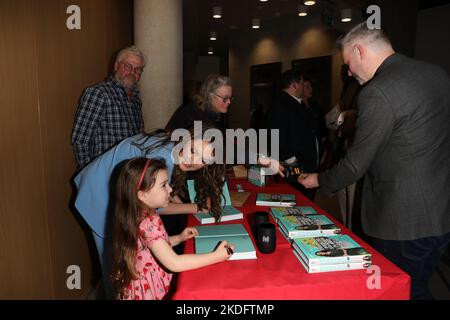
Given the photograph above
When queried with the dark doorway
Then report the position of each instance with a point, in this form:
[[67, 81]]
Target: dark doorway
[[264, 86]]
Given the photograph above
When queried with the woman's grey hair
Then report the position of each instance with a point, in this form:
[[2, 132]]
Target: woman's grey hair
[[375, 38], [209, 87], [131, 50]]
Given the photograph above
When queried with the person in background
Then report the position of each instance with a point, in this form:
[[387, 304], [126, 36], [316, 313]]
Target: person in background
[[402, 146], [143, 256], [111, 110], [212, 101], [319, 119], [341, 120], [298, 143]]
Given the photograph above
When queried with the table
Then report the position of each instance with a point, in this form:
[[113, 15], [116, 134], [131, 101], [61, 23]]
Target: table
[[279, 275]]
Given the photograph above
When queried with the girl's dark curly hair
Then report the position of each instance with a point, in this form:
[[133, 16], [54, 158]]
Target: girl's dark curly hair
[[209, 180]]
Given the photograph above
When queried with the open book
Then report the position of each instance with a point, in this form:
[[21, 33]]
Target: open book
[[210, 236], [228, 211]]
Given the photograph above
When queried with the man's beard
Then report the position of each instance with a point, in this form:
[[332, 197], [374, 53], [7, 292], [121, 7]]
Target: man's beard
[[129, 85]]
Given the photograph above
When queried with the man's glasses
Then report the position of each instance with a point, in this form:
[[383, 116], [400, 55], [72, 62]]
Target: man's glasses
[[224, 99], [129, 68]]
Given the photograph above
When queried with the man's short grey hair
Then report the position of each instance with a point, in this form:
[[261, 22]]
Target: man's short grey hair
[[131, 50], [375, 37]]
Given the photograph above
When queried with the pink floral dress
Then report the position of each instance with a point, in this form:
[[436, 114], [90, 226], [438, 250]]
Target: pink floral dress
[[153, 282]]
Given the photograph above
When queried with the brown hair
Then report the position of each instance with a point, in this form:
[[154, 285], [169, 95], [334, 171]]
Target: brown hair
[[129, 213]]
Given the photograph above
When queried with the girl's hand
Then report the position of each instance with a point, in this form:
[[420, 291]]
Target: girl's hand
[[225, 250], [188, 233]]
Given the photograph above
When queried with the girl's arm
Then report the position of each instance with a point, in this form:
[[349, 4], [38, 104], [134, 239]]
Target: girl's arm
[[180, 207], [177, 208], [187, 233], [178, 263]]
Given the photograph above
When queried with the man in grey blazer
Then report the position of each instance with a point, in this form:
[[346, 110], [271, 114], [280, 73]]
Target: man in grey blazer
[[402, 146]]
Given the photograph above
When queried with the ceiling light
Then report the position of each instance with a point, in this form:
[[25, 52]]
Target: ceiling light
[[346, 15], [210, 50], [213, 36], [302, 10], [263, 0], [256, 23], [309, 2], [217, 12]]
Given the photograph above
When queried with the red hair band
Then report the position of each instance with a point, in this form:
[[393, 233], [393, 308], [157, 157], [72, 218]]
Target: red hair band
[[141, 178]]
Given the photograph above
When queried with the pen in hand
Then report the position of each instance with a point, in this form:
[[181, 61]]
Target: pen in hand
[[229, 250]]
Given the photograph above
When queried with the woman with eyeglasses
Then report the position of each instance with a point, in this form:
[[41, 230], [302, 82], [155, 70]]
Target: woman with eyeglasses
[[212, 100]]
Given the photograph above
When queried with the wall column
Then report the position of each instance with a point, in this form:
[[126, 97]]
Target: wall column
[[158, 32]]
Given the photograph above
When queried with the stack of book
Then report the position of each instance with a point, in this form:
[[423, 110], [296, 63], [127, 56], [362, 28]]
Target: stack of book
[[228, 211], [210, 237], [303, 222], [326, 254]]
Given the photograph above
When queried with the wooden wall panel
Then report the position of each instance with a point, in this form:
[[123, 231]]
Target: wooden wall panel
[[44, 68], [68, 62], [25, 267]]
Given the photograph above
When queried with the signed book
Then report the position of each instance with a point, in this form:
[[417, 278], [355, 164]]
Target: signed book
[[275, 200], [330, 250], [210, 237], [289, 211], [228, 211], [297, 226]]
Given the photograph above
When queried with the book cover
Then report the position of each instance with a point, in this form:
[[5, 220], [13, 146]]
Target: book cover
[[330, 250], [289, 211], [297, 226], [210, 236], [229, 212], [332, 267], [275, 200]]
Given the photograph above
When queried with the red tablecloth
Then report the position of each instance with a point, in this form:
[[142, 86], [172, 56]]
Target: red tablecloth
[[279, 275]]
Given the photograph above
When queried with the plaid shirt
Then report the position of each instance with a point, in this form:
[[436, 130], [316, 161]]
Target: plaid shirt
[[105, 116]]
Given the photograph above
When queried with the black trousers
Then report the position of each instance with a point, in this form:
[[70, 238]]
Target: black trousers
[[419, 258]]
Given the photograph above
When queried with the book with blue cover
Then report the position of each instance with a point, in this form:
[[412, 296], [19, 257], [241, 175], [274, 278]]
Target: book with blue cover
[[332, 267], [330, 250], [275, 200], [210, 236], [297, 226], [228, 211], [289, 211]]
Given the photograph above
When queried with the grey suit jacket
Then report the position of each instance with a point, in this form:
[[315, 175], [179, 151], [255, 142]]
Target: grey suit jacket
[[402, 145]]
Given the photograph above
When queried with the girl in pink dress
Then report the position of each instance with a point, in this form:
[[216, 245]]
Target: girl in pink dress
[[143, 256]]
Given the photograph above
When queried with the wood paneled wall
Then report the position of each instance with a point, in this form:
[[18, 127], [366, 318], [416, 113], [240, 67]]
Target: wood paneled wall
[[44, 68]]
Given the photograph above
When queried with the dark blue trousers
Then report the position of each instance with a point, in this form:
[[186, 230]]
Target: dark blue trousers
[[419, 258]]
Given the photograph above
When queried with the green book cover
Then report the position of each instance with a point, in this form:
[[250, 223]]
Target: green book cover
[[330, 250], [297, 226], [210, 236], [278, 212], [228, 212], [275, 200]]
